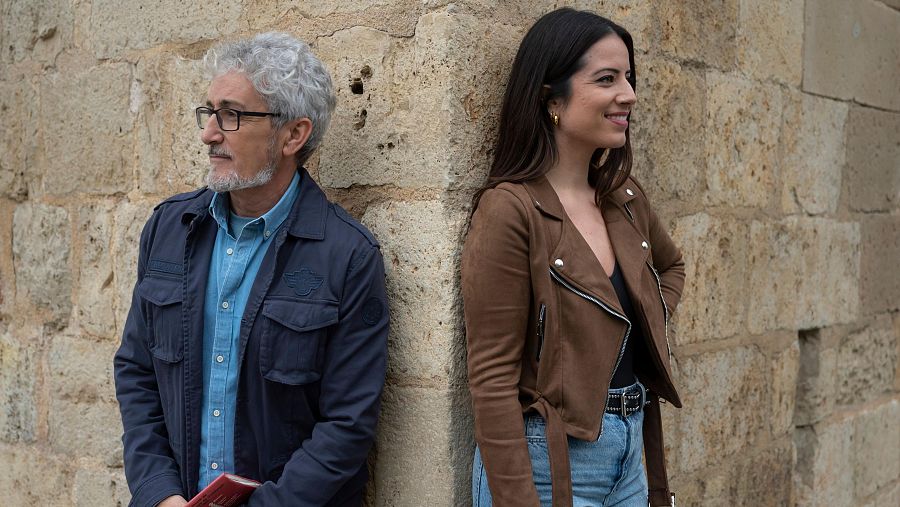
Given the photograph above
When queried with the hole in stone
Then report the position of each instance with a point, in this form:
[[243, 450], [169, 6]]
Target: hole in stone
[[361, 121], [390, 146], [365, 72], [356, 86]]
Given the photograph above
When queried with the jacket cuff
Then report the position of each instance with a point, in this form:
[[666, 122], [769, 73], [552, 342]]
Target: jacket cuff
[[660, 498], [156, 489]]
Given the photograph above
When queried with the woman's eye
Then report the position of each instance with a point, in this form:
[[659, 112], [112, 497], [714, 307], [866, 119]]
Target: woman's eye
[[606, 79]]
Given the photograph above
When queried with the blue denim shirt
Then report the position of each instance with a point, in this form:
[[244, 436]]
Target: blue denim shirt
[[239, 249]]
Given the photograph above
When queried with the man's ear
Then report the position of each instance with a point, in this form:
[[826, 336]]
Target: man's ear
[[297, 134]]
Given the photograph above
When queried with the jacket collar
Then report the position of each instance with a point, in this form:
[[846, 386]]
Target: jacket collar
[[545, 199], [306, 218]]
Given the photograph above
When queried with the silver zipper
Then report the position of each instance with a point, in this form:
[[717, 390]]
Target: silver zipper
[[665, 308], [628, 211], [540, 330], [601, 304]]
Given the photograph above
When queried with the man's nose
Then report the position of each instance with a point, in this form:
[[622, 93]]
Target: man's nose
[[211, 133]]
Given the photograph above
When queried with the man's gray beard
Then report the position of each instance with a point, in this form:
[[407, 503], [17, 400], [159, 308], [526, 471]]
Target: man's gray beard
[[233, 181]]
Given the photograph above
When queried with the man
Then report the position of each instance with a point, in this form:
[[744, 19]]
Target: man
[[256, 340]]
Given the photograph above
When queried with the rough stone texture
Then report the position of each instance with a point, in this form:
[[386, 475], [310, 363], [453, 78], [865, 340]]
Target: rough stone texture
[[851, 50], [879, 277], [867, 361], [824, 455], [130, 218], [890, 497], [94, 292], [713, 41], [872, 181], [769, 44], [7, 269], [814, 162], [876, 445], [42, 28], [742, 156], [101, 488], [157, 22], [190, 155], [817, 377], [41, 243], [73, 430], [32, 477], [87, 125], [17, 107], [785, 372], [418, 265], [18, 396]]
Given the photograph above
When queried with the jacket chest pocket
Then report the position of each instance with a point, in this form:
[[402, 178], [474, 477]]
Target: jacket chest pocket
[[163, 298], [294, 334]]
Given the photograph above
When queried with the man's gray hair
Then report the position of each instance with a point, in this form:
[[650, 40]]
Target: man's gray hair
[[291, 79]]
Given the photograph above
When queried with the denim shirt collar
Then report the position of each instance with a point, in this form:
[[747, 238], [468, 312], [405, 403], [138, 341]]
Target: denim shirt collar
[[271, 220]]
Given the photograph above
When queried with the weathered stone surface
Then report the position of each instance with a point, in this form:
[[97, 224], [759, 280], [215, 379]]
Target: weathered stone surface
[[18, 395], [7, 269], [418, 243], [727, 395], [80, 370], [814, 159], [41, 243], [769, 45], [16, 151], [32, 477], [189, 160], [86, 129], [715, 252], [876, 447], [669, 130], [785, 370], [420, 415], [101, 488], [94, 293], [742, 155], [891, 496], [867, 361], [73, 430], [774, 254], [822, 478], [765, 479], [712, 41], [879, 277], [37, 29], [129, 222], [851, 50], [817, 377], [156, 23], [872, 182]]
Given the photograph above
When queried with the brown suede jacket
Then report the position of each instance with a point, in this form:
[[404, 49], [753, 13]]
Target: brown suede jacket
[[545, 329]]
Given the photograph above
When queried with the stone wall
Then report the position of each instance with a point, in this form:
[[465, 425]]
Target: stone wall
[[766, 132]]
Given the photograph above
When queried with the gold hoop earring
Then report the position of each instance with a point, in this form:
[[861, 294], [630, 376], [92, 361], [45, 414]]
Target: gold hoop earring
[[556, 119]]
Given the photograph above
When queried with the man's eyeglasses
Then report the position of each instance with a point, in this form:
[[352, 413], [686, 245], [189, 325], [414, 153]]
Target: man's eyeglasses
[[228, 119]]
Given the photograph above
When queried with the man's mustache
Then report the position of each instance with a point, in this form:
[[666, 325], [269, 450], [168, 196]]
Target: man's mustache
[[215, 151]]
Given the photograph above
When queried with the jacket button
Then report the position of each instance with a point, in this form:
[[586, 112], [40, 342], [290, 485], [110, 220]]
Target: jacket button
[[558, 263], [645, 245], [629, 191]]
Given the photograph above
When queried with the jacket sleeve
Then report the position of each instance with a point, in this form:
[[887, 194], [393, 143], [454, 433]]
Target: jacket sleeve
[[150, 468], [496, 288], [350, 392], [667, 258]]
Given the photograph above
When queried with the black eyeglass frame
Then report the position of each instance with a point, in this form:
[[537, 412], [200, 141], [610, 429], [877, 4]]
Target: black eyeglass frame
[[238, 113]]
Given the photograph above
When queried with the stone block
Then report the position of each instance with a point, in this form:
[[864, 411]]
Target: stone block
[[851, 50], [32, 477], [129, 218], [774, 253], [891, 496], [822, 478], [420, 244], [668, 130], [19, 366], [770, 40], [420, 416], [785, 370], [37, 30], [715, 253], [7, 269], [742, 157], [94, 295], [764, 480], [712, 41], [41, 244], [117, 26], [897, 338], [879, 285], [872, 182], [186, 167], [817, 378], [867, 361], [17, 100], [87, 127], [727, 392], [101, 488], [813, 140], [81, 370], [73, 430], [876, 448]]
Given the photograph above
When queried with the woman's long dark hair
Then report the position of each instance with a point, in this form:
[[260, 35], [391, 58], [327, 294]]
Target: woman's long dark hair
[[550, 54]]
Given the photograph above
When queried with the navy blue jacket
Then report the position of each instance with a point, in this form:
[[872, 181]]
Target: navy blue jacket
[[312, 353]]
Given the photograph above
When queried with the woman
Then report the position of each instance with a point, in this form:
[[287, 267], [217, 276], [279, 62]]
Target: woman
[[568, 280]]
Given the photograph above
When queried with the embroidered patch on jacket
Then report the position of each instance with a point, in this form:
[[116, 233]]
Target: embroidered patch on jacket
[[173, 268], [372, 311], [303, 281]]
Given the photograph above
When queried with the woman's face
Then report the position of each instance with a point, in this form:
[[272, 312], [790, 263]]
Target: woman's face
[[596, 112]]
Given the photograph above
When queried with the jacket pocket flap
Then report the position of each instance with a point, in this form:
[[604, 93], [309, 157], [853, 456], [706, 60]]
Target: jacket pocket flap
[[301, 315], [159, 291]]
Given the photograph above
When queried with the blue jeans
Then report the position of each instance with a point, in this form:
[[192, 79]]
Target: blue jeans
[[605, 473]]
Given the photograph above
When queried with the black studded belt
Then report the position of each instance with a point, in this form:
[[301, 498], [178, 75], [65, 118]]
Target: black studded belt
[[628, 402]]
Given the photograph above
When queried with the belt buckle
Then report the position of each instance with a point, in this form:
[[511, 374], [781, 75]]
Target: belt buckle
[[624, 408]]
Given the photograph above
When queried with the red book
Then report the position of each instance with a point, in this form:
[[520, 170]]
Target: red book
[[228, 490]]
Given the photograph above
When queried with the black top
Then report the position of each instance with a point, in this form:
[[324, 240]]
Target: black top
[[624, 375]]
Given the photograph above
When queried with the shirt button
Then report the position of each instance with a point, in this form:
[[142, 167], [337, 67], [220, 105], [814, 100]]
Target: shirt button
[[220, 358], [645, 245], [267, 233], [214, 466], [229, 251], [216, 413], [558, 263], [225, 304], [629, 191]]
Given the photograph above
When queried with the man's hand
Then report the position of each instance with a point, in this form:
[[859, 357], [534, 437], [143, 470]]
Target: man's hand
[[173, 501]]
